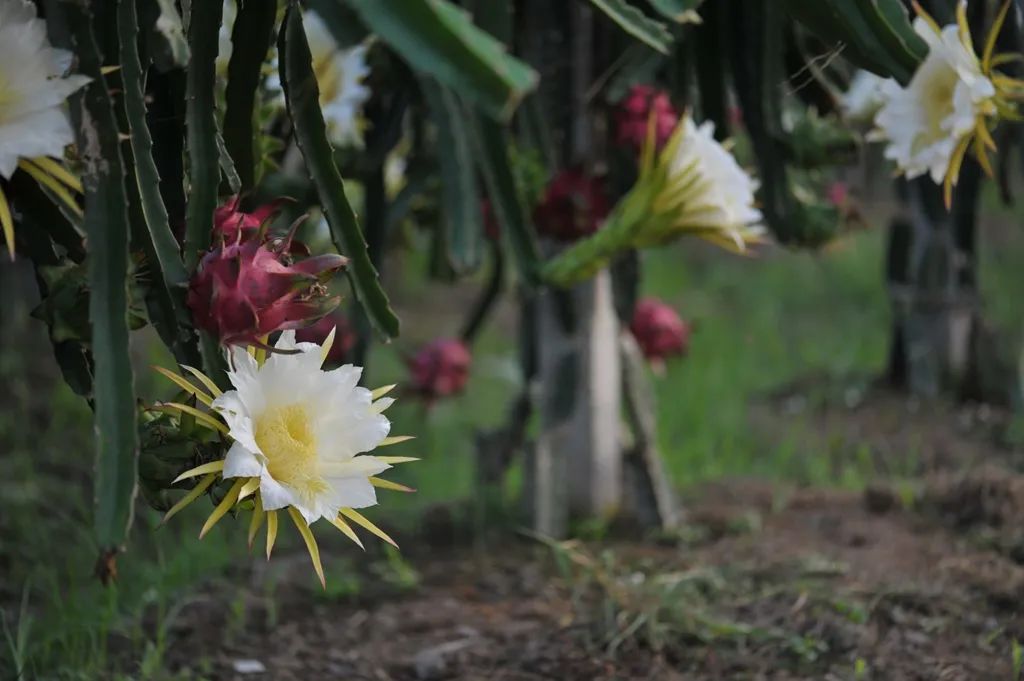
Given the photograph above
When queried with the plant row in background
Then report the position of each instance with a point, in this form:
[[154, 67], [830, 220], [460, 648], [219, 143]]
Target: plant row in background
[[181, 165]]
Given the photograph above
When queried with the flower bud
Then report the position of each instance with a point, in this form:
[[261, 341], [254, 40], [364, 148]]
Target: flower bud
[[440, 369], [634, 113], [659, 331]]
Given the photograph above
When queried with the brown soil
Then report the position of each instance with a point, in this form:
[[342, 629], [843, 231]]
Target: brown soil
[[766, 583]]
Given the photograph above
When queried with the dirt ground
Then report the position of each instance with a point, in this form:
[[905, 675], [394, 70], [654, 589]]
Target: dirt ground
[[922, 581]]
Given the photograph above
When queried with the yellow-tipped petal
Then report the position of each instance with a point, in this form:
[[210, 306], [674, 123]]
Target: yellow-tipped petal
[[396, 459], [59, 190], [58, 171], [248, 488], [382, 391], [965, 28], [387, 484], [212, 467], [203, 485], [927, 17], [185, 385], [271, 531], [200, 416], [307, 536], [325, 349], [7, 224], [347, 530], [257, 519], [394, 440], [223, 507], [359, 519], [204, 379], [993, 34]]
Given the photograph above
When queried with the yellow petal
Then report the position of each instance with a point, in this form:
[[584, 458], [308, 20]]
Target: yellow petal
[[185, 385], [223, 507], [203, 485], [361, 520], [387, 484], [325, 349], [248, 488], [395, 440], [204, 379], [347, 530], [201, 416], [58, 171], [59, 190], [256, 521], [271, 531], [7, 223], [396, 459], [382, 391], [307, 536], [212, 467]]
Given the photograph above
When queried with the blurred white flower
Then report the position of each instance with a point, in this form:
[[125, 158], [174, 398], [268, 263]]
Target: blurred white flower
[[339, 75], [224, 45], [34, 125], [863, 98], [706, 192], [929, 123], [33, 87]]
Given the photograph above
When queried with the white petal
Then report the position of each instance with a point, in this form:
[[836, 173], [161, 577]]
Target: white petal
[[274, 495], [241, 463], [357, 466], [354, 492]]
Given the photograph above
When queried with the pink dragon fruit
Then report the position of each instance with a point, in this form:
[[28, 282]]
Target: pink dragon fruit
[[344, 336], [635, 111], [231, 225], [440, 369], [659, 331], [244, 290], [574, 206]]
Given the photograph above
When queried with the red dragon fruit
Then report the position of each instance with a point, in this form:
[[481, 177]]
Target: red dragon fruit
[[634, 113], [231, 224], [440, 369], [245, 290], [574, 206], [659, 331], [344, 336]]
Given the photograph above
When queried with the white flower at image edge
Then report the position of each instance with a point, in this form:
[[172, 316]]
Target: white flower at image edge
[[708, 186], [33, 86], [339, 76], [303, 431], [943, 103]]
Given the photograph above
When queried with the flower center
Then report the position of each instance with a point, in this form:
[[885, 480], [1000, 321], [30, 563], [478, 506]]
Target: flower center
[[10, 98], [329, 77], [286, 437]]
